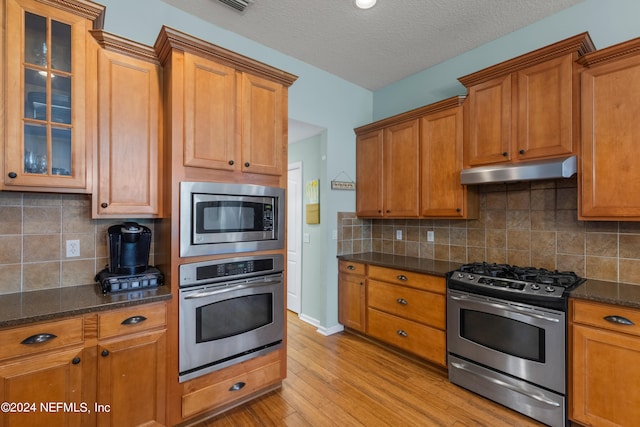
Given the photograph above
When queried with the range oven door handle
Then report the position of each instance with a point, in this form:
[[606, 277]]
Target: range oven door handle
[[506, 308], [209, 292], [506, 385]]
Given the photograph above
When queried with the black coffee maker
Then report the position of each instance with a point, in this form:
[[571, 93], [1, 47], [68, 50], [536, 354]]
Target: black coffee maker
[[129, 245], [129, 269]]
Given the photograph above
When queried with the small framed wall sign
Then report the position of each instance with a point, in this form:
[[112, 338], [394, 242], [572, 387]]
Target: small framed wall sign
[[342, 184]]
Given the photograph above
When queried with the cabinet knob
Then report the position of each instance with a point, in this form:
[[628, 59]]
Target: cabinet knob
[[104, 353], [231, 162], [402, 333], [402, 277], [521, 151], [247, 164], [104, 205], [12, 175], [505, 154], [402, 301], [75, 360], [458, 209], [388, 211]]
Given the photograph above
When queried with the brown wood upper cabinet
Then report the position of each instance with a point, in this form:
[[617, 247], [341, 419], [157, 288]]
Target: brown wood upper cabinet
[[609, 185], [409, 165], [47, 110], [234, 108], [525, 108], [129, 129]]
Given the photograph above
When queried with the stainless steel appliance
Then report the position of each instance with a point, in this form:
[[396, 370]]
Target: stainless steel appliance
[[231, 310], [220, 218], [506, 336]]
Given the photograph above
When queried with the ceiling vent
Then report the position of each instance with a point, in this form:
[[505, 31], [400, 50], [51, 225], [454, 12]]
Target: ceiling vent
[[239, 5]]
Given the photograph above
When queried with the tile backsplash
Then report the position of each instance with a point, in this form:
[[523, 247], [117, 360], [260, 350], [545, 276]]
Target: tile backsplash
[[527, 224], [34, 228]]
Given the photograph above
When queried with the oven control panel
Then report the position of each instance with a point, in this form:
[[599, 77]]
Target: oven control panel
[[197, 273]]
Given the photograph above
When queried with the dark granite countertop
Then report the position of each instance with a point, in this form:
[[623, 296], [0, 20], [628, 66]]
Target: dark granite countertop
[[608, 292], [27, 307], [594, 290], [418, 265]]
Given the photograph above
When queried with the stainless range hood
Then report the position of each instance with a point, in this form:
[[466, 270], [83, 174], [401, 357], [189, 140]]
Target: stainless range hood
[[527, 171]]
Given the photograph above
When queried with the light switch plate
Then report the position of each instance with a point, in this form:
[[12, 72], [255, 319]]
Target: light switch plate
[[430, 236]]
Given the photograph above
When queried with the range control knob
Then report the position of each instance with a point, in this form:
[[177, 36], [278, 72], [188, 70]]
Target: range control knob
[[471, 277], [549, 289], [460, 276], [535, 287]]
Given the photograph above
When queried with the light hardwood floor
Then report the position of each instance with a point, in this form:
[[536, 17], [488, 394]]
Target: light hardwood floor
[[345, 380]]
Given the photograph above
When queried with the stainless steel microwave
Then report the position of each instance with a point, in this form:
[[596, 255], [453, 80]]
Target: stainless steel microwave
[[219, 218]]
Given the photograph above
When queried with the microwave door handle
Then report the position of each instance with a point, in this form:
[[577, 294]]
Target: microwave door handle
[[506, 308]]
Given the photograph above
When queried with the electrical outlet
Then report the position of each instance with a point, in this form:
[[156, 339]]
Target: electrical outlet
[[398, 234], [73, 248], [430, 236]]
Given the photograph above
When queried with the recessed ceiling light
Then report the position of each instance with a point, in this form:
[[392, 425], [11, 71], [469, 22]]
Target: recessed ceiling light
[[365, 4]]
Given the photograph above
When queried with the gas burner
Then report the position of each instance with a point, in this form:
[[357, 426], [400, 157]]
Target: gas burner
[[524, 284]]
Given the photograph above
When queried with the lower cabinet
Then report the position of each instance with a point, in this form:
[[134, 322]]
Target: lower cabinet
[[605, 364], [352, 291], [131, 366], [62, 373], [402, 308]]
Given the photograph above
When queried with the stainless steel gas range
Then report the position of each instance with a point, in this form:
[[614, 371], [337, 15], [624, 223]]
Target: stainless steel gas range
[[506, 336]]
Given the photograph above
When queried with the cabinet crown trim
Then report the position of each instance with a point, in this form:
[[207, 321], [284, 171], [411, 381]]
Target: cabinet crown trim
[[580, 44], [87, 9], [119, 44], [445, 104], [170, 39], [612, 53]]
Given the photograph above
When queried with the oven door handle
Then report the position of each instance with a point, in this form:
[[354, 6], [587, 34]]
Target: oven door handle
[[506, 308], [207, 293], [506, 385]]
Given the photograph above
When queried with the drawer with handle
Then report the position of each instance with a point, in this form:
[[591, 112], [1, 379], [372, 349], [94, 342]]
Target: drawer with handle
[[413, 304], [408, 278], [421, 340], [607, 316], [35, 338], [351, 267], [131, 319]]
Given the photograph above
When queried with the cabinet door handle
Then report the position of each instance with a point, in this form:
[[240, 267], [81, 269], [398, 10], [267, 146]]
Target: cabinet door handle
[[619, 320], [350, 267], [237, 386], [505, 154], [133, 320], [402, 277], [38, 338], [104, 205], [402, 333], [104, 353], [75, 360], [231, 162], [12, 175], [402, 301], [247, 164], [521, 151]]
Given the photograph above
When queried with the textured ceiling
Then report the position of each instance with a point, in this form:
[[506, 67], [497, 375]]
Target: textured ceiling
[[375, 47]]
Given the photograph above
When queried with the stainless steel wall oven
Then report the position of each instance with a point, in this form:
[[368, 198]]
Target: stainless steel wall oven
[[231, 310], [506, 336]]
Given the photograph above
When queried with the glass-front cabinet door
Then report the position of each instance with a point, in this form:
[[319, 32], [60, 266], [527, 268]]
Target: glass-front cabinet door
[[46, 101]]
